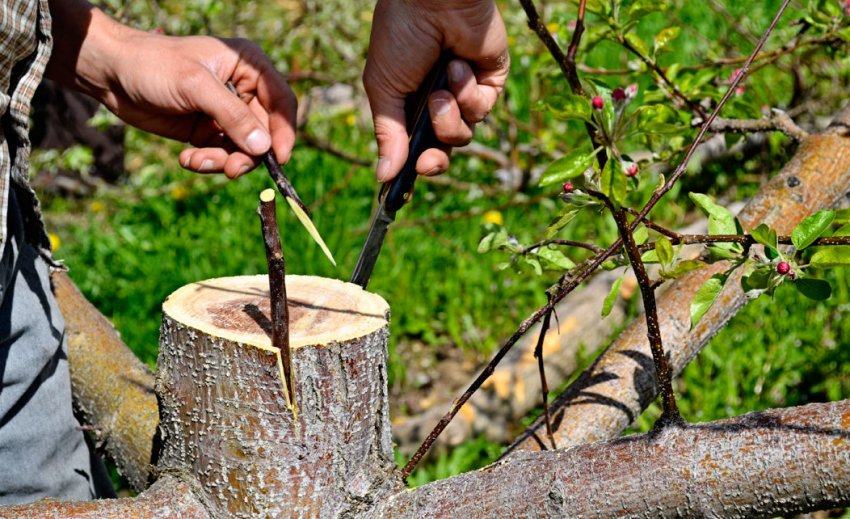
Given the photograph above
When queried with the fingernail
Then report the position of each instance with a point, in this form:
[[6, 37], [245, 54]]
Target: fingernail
[[244, 169], [383, 170], [258, 142], [206, 165], [456, 71], [440, 106]]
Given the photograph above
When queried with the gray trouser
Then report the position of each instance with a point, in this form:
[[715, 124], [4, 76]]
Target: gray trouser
[[43, 453]]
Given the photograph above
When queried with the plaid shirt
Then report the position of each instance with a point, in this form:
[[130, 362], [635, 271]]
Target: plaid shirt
[[25, 45]]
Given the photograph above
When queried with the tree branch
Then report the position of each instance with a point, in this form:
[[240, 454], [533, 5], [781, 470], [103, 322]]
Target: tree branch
[[610, 394], [773, 463], [778, 121], [113, 391]]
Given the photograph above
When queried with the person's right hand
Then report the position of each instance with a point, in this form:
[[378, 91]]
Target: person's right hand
[[407, 39], [175, 87]]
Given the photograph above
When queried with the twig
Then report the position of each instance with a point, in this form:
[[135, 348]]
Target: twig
[[544, 387], [770, 56], [673, 235], [680, 170], [314, 142], [670, 414], [277, 289], [695, 107], [570, 243], [576, 276], [778, 121], [744, 239]]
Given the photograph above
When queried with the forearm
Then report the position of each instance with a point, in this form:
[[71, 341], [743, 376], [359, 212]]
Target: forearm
[[86, 42]]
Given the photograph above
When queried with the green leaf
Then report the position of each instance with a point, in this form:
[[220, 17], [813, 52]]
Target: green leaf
[[844, 230], [611, 298], [664, 37], [759, 279], [720, 220], [567, 167], [705, 297], [554, 259], [664, 249], [812, 228], [614, 181], [816, 289], [560, 222], [534, 263], [569, 106], [766, 236], [634, 40], [493, 240], [650, 256], [683, 267], [831, 257], [658, 119], [641, 234]]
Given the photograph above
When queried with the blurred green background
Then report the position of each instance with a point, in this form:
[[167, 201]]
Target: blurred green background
[[130, 244]]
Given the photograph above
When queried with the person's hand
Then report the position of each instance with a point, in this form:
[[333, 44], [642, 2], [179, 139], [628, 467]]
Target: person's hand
[[176, 87], [407, 38]]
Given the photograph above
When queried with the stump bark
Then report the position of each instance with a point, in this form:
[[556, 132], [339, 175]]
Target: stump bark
[[223, 410]]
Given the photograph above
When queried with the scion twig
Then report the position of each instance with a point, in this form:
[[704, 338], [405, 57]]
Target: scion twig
[[277, 288]]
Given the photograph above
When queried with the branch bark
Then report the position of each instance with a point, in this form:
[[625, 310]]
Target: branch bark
[[113, 391], [777, 462], [610, 394]]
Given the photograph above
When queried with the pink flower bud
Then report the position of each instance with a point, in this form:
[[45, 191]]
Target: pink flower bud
[[631, 90], [568, 187], [631, 168], [597, 103], [618, 95], [783, 268]]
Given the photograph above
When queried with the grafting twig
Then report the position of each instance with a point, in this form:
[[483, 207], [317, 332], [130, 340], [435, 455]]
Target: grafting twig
[[277, 288]]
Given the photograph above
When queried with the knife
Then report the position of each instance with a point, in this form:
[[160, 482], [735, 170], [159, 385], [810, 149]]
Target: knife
[[399, 191], [285, 187]]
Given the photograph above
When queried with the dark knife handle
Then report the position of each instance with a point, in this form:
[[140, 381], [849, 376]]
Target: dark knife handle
[[421, 134]]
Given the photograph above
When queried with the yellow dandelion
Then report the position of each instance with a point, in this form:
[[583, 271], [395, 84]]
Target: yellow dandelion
[[55, 242], [179, 192], [552, 27], [493, 216], [97, 207], [350, 119]]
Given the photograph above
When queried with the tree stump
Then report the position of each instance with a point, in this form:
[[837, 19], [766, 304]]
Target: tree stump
[[224, 417]]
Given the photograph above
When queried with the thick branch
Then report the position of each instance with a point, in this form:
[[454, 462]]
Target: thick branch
[[607, 397], [777, 462], [168, 497], [778, 121], [113, 390]]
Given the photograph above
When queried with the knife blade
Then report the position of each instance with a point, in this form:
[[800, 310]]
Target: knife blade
[[286, 189], [399, 191]]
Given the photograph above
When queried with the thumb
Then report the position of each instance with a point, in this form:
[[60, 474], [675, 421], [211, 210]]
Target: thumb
[[390, 133], [232, 114]]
